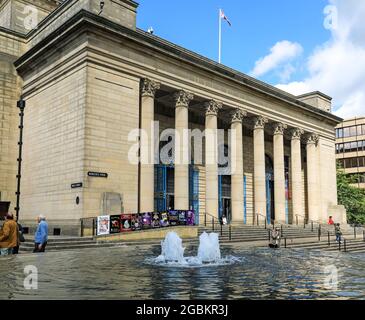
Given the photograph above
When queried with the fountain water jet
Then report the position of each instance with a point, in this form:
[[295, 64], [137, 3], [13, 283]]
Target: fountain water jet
[[209, 254], [209, 249], [172, 249]]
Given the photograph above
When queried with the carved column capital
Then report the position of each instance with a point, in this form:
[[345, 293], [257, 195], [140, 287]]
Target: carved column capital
[[296, 133], [279, 128], [259, 122], [182, 98], [238, 115], [312, 138], [149, 87], [212, 107]]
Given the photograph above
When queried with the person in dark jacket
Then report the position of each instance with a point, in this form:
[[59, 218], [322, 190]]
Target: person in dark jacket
[[338, 232], [8, 235], [20, 238]]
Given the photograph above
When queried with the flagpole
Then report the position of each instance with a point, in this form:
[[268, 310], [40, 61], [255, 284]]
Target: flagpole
[[220, 36]]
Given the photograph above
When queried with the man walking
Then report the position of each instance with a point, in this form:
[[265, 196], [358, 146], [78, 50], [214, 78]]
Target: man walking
[[338, 232], [41, 235], [8, 236]]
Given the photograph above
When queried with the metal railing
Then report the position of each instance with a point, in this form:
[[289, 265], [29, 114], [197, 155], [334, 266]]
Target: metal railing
[[257, 220]]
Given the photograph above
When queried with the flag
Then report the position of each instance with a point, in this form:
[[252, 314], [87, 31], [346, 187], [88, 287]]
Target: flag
[[223, 16]]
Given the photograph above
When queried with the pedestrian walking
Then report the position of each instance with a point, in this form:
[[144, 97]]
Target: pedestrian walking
[[41, 235], [338, 232], [8, 236]]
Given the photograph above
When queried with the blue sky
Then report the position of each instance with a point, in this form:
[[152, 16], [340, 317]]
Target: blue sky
[[282, 42], [256, 26]]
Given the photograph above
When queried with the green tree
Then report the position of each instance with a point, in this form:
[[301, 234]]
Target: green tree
[[351, 197]]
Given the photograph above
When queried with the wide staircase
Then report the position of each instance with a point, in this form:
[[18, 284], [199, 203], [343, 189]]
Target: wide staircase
[[305, 236], [61, 243], [311, 235]]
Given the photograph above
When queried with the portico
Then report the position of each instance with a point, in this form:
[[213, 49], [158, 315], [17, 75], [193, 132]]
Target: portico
[[183, 110]]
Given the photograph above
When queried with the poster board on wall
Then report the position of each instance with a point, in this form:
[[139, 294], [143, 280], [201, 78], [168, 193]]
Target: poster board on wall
[[164, 221], [103, 227], [115, 224], [190, 218], [156, 217], [126, 222], [173, 218], [147, 220], [136, 222]]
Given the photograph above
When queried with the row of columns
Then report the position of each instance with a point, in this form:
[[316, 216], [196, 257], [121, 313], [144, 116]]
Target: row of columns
[[181, 188]]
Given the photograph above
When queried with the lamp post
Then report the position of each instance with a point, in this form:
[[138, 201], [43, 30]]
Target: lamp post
[[21, 106]]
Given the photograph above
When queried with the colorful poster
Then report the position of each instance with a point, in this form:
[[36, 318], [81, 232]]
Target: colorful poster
[[164, 220], [136, 222], [190, 218], [173, 218], [103, 225], [182, 218], [146, 220], [156, 220], [115, 224], [126, 222]]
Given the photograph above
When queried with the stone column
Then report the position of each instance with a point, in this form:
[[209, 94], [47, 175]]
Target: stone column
[[148, 91], [296, 175], [211, 157], [259, 166], [279, 172], [182, 162], [312, 177], [237, 166]]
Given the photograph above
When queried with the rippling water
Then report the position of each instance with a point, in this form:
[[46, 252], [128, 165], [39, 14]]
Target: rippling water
[[124, 273]]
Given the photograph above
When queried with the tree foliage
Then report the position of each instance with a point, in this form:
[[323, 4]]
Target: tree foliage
[[351, 197]]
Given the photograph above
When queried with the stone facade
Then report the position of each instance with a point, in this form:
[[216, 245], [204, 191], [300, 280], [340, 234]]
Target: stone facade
[[87, 77]]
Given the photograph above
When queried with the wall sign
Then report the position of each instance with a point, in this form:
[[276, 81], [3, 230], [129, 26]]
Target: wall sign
[[97, 174], [76, 185]]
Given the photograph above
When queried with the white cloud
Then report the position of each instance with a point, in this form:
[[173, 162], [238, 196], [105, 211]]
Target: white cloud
[[282, 52], [337, 67]]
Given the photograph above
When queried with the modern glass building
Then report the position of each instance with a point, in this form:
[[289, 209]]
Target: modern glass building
[[350, 149]]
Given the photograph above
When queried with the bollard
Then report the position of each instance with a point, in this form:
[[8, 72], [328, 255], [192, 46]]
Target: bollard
[[82, 228], [329, 238], [205, 219], [319, 233], [285, 243], [230, 233], [212, 224], [296, 218], [258, 223], [312, 225], [265, 223], [354, 232], [281, 231], [221, 229], [94, 226], [269, 233]]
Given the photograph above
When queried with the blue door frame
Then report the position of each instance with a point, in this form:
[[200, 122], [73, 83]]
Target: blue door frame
[[268, 197], [161, 189], [244, 199], [287, 198], [220, 200], [194, 192]]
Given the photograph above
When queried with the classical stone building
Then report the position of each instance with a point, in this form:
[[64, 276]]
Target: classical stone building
[[90, 77]]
